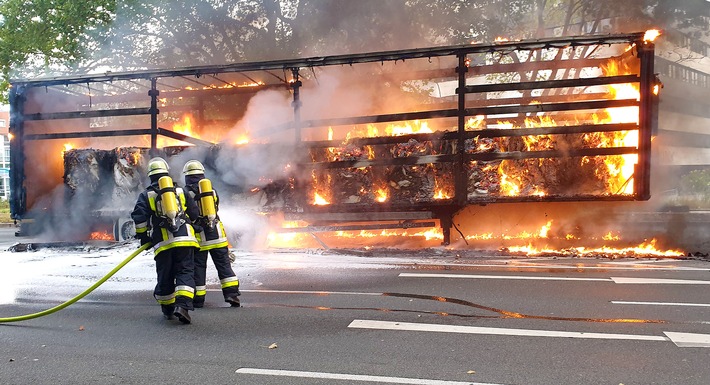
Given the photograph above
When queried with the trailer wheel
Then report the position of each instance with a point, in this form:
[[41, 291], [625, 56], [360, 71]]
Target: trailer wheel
[[124, 229]]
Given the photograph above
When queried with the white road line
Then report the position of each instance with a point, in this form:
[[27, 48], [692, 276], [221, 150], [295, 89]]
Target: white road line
[[618, 280], [484, 276], [679, 339], [661, 303], [658, 281], [636, 267], [353, 377], [689, 340], [317, 292], [409, 326]]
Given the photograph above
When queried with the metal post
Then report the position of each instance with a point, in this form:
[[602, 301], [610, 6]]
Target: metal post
[[18, 194], [153, 93], [642, 176], [296, 104], [461, 176]]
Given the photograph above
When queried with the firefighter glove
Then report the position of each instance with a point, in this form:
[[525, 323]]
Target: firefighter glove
[[144, 238]]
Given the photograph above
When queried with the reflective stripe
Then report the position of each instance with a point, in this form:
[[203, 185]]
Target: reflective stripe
[[186, 241], [166, 302], [200, 291], [141, 227], [229, 282], [184, 291], [214, 243], [151, 200], [165, 299], [184, 288]]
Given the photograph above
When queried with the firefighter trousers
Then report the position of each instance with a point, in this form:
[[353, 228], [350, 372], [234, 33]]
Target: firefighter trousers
[[176, 282], [227, 278]]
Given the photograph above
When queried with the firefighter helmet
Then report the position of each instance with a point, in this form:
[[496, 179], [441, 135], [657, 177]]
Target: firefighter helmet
[[157, 166], [193, 167]]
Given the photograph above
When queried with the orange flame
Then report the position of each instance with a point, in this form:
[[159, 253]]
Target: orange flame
[[651, 35], [100, 235]]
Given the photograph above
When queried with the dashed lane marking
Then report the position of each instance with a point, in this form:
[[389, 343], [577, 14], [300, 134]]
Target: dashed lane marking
[[679, 339], [618, 280], [659, 281], [485, 276], [353, 377], [661, 303]]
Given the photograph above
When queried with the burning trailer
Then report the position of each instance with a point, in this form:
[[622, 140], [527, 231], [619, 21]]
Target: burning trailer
[[372, 141]]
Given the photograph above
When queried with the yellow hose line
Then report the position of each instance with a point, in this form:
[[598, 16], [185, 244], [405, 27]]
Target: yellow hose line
[[80, 296]]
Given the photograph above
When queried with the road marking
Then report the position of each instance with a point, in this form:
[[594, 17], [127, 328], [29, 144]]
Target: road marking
[[353, 377], [661, 303], [636, 266], [625, 280], [689, 340], [618, 280], [484, 276], [317, 292], [679, 339]]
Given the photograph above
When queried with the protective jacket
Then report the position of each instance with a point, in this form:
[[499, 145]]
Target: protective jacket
[[213, 241], [153, 227], [209, 235]]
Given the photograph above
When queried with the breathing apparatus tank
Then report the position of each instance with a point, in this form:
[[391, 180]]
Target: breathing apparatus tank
[[208, 207], [168, 200]]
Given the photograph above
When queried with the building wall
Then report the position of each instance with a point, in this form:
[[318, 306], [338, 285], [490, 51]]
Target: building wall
[[4, 155]]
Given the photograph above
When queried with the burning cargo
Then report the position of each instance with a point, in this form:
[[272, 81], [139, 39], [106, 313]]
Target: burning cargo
[[383, 140]]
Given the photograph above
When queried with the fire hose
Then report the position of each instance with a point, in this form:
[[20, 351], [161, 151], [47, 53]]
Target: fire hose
[[80, 296]]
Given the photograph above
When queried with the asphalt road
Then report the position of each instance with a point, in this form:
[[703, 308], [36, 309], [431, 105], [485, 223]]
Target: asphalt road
[[320, 317]]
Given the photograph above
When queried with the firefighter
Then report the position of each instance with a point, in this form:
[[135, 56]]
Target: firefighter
[[161, 216], [211, 236]]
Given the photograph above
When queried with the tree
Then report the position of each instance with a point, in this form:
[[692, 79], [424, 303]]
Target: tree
[[37, 35], [42, 37]]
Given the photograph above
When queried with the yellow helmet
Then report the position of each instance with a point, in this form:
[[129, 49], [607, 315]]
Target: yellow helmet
[[157, 166], [193, 167]]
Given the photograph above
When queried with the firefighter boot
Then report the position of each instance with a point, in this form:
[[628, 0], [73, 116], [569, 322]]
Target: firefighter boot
[[182, 315], [233, 300], [167, 311]]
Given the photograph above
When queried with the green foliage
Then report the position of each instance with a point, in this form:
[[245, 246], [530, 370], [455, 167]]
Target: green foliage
[[52, 37], [47, 33], [696, 183]]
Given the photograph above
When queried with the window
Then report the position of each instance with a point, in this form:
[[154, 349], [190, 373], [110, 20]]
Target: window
[[2, 123]]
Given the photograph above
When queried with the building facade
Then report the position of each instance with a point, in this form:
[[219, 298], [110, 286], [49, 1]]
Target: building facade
[[4, 154]]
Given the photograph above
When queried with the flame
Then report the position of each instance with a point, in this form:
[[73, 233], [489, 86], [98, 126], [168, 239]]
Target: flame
[[319, 200], [440, 194], [506, 180], [100, 235], [221, 86], [651, 35], [381, 194], [610, 237], [241, 139], [623, 166], [66, 147], [644, 249], [545, 229], [184, 126]]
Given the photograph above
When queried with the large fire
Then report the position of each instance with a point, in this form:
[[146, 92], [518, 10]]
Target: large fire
[[507, 178]]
